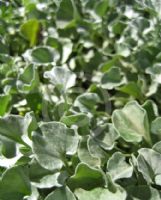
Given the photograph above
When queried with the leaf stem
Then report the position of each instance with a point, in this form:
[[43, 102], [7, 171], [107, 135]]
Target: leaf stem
[[66, 164]]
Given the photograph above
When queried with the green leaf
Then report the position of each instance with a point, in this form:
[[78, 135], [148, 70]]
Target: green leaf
[[54, 144], [123, 49], [101, 194], [101, 8], [156, 126], [28, 79], [41, 55], [110, 63], [30, 31], [48, 181], [86, 177], [149, 162], [112, 78], [155, 73], [37, 172], [118, 167], [17, 128], [96, 150], [7, 147], [4, 102], [154, 7], [157, 147], [151, 109], [87, 102], [12, 127], [60, 109], [105, 136], [132, 123], [61, 77], [3, 48], [84, 154], [70, 72], [14, 184], [30, 123], [132, 89], [80, 120], [142, 192], [63, 193], [65, 13]]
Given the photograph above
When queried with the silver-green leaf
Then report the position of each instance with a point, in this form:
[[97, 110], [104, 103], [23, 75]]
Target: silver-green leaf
[[52, 146], [132, 123]]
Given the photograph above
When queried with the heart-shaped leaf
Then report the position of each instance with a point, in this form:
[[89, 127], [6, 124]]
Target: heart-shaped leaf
[[61, 77], [157, 147], [63, 193], [105, 135], [132, 123], [118, 167], [54, 144], [112, 78], [28, 79], [78, 119], [16, 127], [156, 126], [101, 194], [41, 55], [84, 154], [86, 177], [30, 30], [87, 102], [142, 192], [149, 162]]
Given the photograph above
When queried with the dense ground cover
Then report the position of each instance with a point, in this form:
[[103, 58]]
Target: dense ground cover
[[80, 100]]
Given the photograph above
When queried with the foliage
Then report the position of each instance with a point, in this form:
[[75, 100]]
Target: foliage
[[80, 100]]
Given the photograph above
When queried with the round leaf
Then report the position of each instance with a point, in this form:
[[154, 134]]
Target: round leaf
[[86, 177], [118, 167], [41, 55], [63, 193], [101, 194], [149, 162], [54, 144], [112, 78], [132, 123], [61, 77]]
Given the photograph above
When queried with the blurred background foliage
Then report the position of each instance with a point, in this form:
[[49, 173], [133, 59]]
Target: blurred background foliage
[[95, 39]]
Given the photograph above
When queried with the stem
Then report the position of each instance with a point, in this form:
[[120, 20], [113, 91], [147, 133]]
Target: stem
[[65, 98], [66, 101], [66, 164]]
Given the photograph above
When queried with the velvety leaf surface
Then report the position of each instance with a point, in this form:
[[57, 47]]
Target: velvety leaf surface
[[54, 144], [132, 123], [80, 101], [101, 193], [61, 77], [118, 167], [14, 184], [28, 79], [61, 193], [149, 165], [105, 135]]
